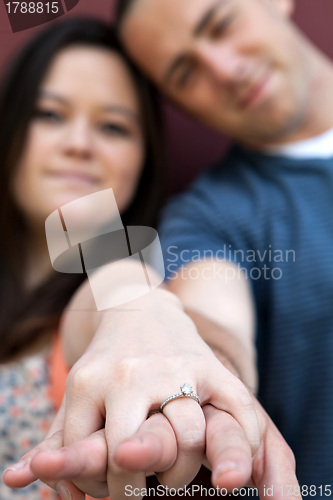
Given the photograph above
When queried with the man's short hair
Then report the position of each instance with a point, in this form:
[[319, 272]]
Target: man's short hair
[[121, 9]]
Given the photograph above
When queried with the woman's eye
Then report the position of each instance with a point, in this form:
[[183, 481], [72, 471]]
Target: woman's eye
[[48, 115], [114, 129]]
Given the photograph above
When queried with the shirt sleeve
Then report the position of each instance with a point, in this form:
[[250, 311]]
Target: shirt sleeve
[[197, 226]]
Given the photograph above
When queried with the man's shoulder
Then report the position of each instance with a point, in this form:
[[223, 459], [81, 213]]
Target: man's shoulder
[[224, 180], [221, 193]]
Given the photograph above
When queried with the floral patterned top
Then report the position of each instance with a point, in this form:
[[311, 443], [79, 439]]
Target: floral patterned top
[[26, 413]]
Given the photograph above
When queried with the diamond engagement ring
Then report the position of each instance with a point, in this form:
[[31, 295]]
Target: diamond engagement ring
[[186, 392]]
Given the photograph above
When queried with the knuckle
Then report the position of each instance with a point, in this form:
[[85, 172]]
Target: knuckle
[[85, 373], [243, 397], [116, 470], [79, 379], [126, 370]]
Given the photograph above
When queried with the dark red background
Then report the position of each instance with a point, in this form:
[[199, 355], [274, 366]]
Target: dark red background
[[191, 146]]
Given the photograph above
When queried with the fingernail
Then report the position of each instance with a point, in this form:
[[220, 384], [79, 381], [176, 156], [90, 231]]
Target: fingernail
[[63, 492], [224, 467], [17, 467]]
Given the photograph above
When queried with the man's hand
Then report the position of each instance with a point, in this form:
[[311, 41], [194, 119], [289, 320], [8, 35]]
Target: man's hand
[[82, 466]]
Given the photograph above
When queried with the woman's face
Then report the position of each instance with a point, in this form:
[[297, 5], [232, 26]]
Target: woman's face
[[85, 135]]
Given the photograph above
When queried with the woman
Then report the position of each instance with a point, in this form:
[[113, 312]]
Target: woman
[[76, 118], [88, 129]]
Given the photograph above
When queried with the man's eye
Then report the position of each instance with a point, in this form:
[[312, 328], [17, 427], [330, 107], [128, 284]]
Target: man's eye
[[114, 129], [48, 115], [185, 76], [220, 28]]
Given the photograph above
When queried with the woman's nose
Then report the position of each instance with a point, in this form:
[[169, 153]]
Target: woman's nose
[[78, 139]]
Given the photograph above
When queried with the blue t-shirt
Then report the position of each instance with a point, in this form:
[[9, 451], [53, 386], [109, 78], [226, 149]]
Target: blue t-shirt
[[274, 217]]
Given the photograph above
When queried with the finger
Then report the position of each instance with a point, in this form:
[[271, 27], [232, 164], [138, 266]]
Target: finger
[[50, 463], [123, 420], [83, 417], [66, 490], [152, 448], [58, 421], [188, 423], [233, 397], [83, 462], [274, 465], [20, 475], [227, 449], [83, 414], [80, 460]]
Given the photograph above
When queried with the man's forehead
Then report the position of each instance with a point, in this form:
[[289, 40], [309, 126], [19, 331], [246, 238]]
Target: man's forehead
[[171, 14], [165, 27]]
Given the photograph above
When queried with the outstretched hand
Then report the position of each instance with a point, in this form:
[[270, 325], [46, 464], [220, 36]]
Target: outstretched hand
[[124, 376], [83, 466]]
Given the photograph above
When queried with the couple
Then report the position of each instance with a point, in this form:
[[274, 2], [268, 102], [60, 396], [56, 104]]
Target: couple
[[243, 68]]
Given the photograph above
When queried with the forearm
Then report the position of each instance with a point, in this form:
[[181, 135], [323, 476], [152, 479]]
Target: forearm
[[231, 341], [223, 312], [228, 349]]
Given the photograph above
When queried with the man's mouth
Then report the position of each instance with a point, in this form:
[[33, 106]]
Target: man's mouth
[[256, 93]]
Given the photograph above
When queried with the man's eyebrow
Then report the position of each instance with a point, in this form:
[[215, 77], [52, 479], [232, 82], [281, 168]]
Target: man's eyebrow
[[199, 28], [205, 20], [174, 66]]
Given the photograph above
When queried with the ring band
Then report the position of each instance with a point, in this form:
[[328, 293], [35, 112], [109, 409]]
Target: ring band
[[186, 392]]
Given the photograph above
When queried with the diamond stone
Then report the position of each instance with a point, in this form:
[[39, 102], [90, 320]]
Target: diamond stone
[[186, 389]]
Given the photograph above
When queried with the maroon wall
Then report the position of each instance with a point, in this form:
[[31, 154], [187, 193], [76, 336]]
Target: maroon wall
[[191, 146]]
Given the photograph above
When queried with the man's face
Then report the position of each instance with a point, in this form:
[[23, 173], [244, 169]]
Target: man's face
[[237, 65]]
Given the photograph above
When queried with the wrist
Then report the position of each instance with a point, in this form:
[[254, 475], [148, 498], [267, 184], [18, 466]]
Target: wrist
[[227, 347]]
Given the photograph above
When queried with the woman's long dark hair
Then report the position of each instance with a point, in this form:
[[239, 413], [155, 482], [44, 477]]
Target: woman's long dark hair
[[24, 316]]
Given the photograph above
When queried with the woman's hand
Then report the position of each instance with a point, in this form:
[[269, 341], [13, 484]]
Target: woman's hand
[[154, 447], [139, 356]]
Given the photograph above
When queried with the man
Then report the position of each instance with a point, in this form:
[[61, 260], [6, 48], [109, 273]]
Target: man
[[243, 68], [240, 66]]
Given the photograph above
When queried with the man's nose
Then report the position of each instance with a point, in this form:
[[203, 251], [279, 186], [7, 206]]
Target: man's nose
[[223, 64], [78, 138]]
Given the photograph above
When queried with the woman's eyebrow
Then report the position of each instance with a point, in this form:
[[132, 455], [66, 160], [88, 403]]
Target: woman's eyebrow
[[52, 95], [109, 108], [115, 108]]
